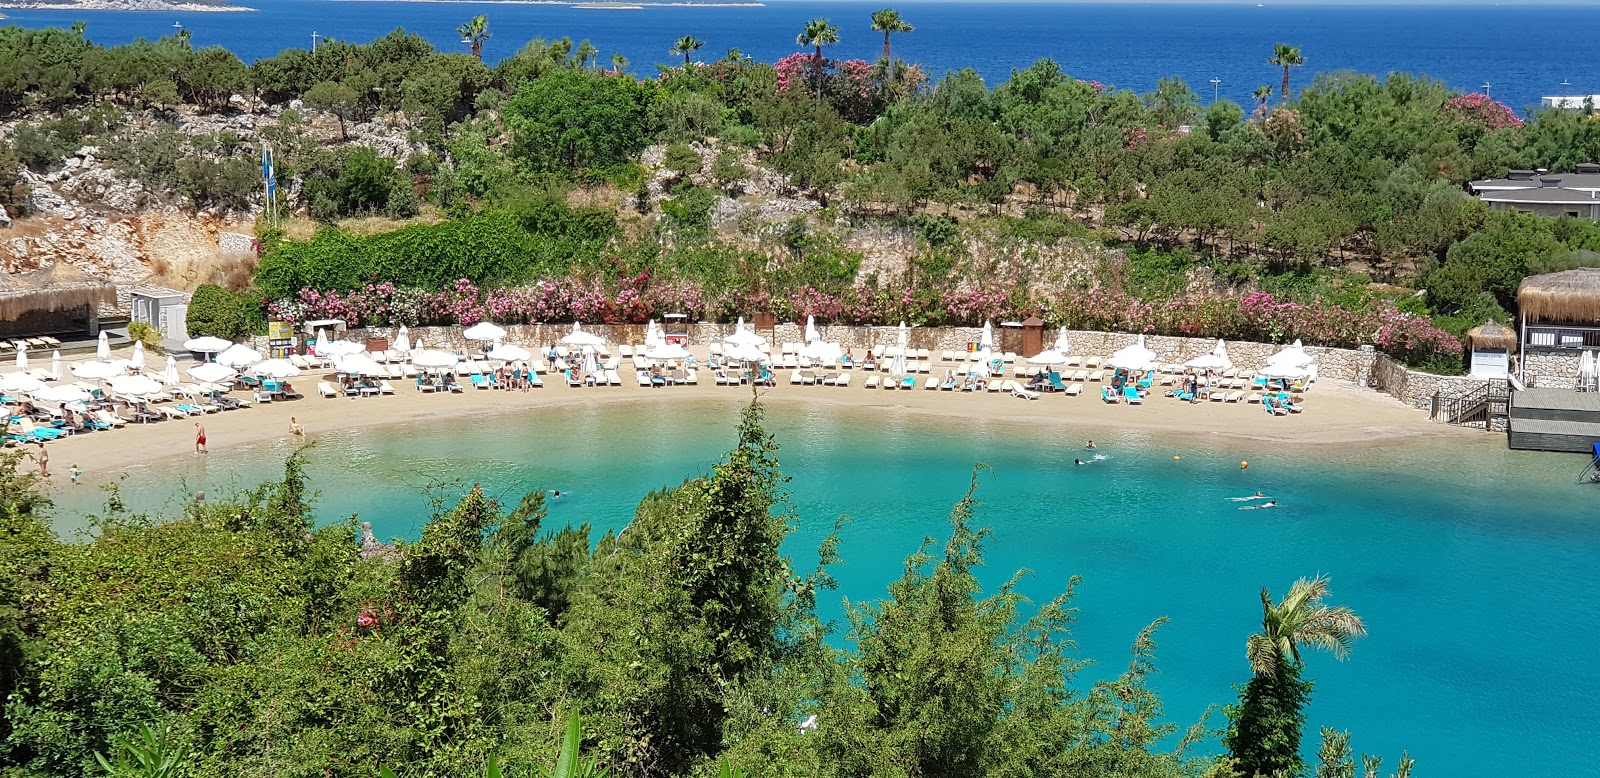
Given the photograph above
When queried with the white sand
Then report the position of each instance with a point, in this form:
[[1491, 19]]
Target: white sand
[[1333, 415]]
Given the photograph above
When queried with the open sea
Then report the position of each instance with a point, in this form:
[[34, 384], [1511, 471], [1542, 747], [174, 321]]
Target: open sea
[[1476, 568], [1520, 51]]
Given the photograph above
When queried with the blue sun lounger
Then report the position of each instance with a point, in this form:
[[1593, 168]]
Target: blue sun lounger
[[1131, 395]]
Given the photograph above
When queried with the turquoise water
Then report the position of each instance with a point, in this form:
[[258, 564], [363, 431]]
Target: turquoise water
[[1474, 567]]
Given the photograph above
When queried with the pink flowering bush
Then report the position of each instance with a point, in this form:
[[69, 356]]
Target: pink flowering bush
[[1482, 110], [633, 298]]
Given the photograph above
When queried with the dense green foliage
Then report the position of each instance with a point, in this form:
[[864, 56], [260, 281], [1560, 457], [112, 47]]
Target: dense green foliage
[[493, 247], [218, 312], [240, 639], [1350, 189]]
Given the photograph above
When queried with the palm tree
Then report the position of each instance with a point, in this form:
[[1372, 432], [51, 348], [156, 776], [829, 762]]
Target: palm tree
[[888, 21], [1299, 619], [818, 33], [1288, 57], [1261, 94], [585, 52], [475, 32], [619, 63], [1265, 728], [686, 45]]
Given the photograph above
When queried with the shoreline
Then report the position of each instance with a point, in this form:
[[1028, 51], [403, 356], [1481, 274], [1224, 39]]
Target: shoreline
[[1337, 416]]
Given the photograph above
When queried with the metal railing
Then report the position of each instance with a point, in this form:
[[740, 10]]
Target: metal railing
[[1474, 408]]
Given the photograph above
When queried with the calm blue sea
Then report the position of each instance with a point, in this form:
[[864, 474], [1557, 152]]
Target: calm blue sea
[[1474, 567], [1522, 52]]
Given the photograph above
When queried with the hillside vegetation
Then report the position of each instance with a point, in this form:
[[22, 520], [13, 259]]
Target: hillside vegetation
[[842, 189]]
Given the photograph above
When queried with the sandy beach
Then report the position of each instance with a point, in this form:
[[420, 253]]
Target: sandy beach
[[1334, 415]]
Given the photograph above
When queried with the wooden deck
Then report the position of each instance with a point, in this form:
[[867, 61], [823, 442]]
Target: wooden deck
[[1554, 420]]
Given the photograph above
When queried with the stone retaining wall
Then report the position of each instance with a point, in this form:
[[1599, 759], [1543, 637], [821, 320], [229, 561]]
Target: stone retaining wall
[[1415, 388], [1552, 371], [1363, 366], [1353, 365]]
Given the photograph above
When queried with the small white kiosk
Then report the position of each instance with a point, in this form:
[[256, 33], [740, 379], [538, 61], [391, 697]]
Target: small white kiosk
[[1491, 345]]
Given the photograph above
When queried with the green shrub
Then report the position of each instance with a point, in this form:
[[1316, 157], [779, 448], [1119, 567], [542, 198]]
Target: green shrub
[[492, 248], [142, 332], [224, 314]]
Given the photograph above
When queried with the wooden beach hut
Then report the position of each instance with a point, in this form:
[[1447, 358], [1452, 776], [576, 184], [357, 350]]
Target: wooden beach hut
[[1492, 345], [59, 300], [1560, 312]]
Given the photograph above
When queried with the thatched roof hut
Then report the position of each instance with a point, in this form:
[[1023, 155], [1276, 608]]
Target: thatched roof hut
[[59, 288], [1567, 297], [1492, 335]]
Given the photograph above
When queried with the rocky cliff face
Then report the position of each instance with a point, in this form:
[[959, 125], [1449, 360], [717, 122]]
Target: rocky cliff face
[[84, 212]]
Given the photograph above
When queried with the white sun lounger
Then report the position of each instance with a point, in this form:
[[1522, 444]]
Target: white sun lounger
[[1073, 390]]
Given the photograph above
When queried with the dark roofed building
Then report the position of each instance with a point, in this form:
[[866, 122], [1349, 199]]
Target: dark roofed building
[[1547, 194]]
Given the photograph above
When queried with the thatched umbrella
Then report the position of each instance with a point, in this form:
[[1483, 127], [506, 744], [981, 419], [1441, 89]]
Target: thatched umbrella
[[1570, 297], [1492, 335]]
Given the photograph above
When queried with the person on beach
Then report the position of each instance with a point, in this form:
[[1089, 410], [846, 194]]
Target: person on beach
[[73, 472], [44, 461], [294, 428], [200, 439]]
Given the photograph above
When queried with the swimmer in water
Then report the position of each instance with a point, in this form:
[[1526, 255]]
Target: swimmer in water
[[1257, 496], [1081, 462], [1267, 504], [1091, 444], [555, 494]]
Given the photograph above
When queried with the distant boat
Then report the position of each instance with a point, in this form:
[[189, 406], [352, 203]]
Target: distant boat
[[609, 6]]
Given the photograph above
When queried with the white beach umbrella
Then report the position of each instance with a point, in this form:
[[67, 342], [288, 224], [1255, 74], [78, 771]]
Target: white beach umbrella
[[822, 351], [744, 337], [205, 345], [1136, 357], [322, 337], [170, 375], [1049, 357], [22, 356], [509, 352], [20, 382], [745, 353], [1294, 355], [433, 358], [577, 337], [1290, 372], [212, 372], [97, 370], [986, 340], [339, 348], [666, 351], [102, 349], [63, 393], [402, 341], [360, 364], [137, 362], [55, 365], [811, 329], [1216, 359], [238, 356], [135, 385], [484, 331], [275, 368], [653, 334]]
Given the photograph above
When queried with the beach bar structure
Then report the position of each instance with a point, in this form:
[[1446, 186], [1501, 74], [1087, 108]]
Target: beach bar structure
[[1560, 316], [1491, 345], [1560, 320], [59, 301]]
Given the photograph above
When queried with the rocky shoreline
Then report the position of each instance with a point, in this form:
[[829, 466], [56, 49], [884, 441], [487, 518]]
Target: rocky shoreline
[[120, 5]]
